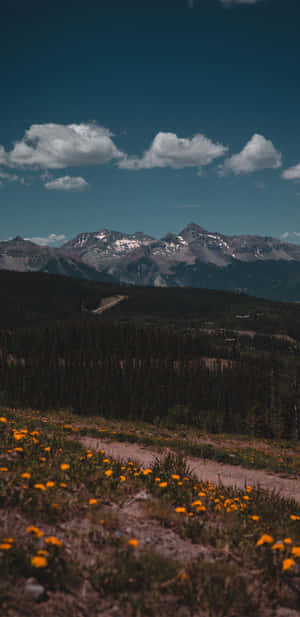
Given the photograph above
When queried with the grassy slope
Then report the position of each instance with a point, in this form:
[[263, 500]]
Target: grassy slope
[[205, 554]]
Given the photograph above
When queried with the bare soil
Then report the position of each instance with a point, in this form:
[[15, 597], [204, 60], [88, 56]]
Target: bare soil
[[204, 469]]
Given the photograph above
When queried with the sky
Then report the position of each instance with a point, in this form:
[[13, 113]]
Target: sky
[[144, 115]]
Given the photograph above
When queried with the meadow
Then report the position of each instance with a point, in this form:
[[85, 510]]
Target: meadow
[[84, 534]]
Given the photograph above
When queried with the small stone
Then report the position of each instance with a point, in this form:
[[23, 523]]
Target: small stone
[[33, 590]]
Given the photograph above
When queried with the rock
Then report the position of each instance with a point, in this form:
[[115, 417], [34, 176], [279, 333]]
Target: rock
[[33, 590], [142, 496]]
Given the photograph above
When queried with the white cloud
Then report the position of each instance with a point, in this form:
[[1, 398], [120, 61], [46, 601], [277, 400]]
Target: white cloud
[[67, 183], [56, 146], [290, 235], [51, 239], [231, 2], [168, 150], [259, 153], [292, 173], [9, 177]]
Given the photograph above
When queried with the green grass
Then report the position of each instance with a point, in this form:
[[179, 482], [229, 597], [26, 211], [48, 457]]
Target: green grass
[[82, 506]]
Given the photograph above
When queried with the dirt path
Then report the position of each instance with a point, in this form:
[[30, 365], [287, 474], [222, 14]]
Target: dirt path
[[204, 469], [107, 303]]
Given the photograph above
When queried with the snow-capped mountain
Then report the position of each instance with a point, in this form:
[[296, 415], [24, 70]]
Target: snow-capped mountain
[[195, 257], [117, 253]]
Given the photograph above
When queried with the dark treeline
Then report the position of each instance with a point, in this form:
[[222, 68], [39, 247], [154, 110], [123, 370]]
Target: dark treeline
[[154, 373]]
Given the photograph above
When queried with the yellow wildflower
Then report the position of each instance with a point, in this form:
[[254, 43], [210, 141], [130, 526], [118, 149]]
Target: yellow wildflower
[[265, 539], [294, 517], [133, 542], [108, 472], [64, 466], [296, 551], [5, 546], [26, 475], [37, 532], [39, 561], [3, 469], [4, 420], [163, 484], [254, 517], [53, 540], [40, 486], [175, 476], [278, 546], [93, 502], [181, 509], [50, 484], [123, 478], [287, 540], [287, 564]]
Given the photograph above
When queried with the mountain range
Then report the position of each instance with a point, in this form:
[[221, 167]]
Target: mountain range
[[195, 257]]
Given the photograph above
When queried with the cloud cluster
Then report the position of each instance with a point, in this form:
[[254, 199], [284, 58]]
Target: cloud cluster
[[56, 146], [67, 183], [51, 239], [168, 150], [292, 173], [50, 146], [259, 153]]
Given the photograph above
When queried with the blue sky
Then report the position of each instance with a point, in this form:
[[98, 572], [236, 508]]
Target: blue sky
[[145, 115]]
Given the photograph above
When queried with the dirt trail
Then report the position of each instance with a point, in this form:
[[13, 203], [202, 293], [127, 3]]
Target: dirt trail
[[107, 303], [204, 469]]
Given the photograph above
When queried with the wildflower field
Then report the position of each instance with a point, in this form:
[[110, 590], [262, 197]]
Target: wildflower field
[[101, 537]]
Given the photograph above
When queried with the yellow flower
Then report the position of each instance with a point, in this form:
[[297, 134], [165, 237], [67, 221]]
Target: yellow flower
[[123, 478], [40, 486], [4, 420], [287, 540], [63, 484], [255, 517], [9, 540], [265, 539], [296, 551], [43, 552], [5, 546], [108, 472], [200, 509], [53, 540], [287, 564], [175, 476], [50, 484], [157, 479], [3, 469], [93, 501], [163, 484], [106, 460], [133, 542], [146, 472], [64, 466], [26, 475], [180, 509], [39, 561], [198, 502], [47, 449], [37, 532], [278, 546], [294, 517]]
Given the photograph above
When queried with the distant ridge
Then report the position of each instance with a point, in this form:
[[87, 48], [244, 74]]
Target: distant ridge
[[256, 265]]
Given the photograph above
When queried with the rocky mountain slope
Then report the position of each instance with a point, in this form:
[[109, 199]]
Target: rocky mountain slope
[[195, 257]]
